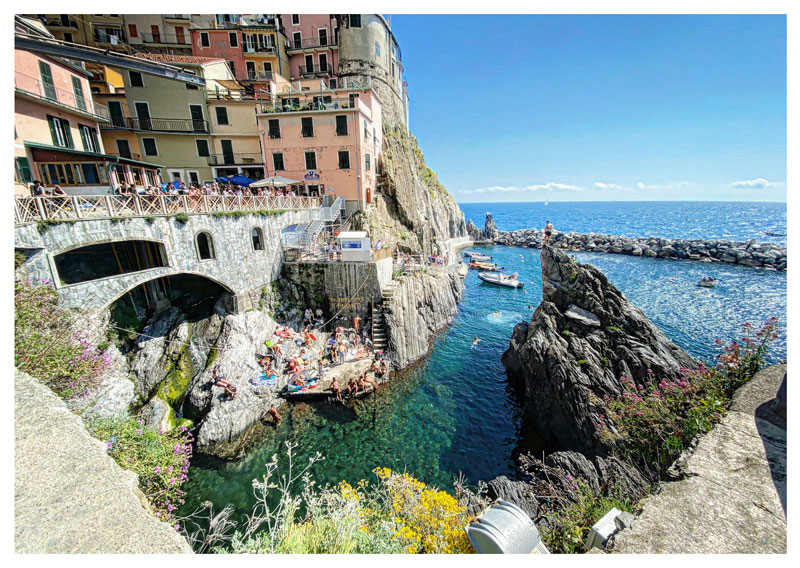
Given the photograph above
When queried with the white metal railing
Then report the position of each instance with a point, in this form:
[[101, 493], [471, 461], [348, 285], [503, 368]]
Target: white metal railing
[[73, 207]]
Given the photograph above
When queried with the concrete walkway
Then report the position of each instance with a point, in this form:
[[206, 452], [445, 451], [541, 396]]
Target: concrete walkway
[[733, 496], [69, 495]]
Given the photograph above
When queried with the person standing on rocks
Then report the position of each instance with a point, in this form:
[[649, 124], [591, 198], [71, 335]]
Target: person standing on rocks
[[356, 321], [548, 231]]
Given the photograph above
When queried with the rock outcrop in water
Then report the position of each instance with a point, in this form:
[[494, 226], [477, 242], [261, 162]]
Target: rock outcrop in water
[[751, 253], [582, 339]]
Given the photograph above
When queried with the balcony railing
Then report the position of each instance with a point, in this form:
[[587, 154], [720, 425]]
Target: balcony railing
[[128, 155], [33, 209], [171, 39], [177, 17], [48, 92], [104, 37], [306, 106], [230, 96], [315, 69], [259, 75], [158, 124], [235, 159], [310, 43], [250, 48]]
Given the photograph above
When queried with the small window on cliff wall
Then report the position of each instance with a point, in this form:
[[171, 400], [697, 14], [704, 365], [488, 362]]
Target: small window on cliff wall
[[258, 239], [205, 246]]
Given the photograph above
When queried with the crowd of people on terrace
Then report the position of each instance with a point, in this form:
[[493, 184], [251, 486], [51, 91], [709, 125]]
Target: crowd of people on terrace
[[38, 189], [306, 356]]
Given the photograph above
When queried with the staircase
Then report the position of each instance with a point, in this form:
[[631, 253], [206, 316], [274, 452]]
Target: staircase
[[380, 339]]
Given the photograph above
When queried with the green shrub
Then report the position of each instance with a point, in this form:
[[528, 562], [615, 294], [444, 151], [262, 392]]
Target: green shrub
[[150, 219], [124, 316], [568, 527], [395, 513], [19, 259], [604, 361], [582, 361], [49, 345], [160, 459], [651, 424], [613, 328], [181, 217], [566, 333]]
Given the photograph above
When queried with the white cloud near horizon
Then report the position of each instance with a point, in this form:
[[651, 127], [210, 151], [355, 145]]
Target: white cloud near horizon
[[758, 183], [528, 188], [601, 185]]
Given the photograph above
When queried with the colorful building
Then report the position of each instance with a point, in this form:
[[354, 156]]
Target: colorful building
[[167, 121], [327, 140], [312, 46], [57, 131]]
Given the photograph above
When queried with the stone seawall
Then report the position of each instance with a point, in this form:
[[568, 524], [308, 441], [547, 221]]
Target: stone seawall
[[751, 253]]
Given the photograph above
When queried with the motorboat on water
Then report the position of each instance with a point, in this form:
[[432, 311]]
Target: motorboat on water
[[500, 279], [480, 258], [707, 282], [483, 265]]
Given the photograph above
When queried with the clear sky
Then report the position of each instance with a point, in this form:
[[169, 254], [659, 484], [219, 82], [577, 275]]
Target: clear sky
[[574, 108]]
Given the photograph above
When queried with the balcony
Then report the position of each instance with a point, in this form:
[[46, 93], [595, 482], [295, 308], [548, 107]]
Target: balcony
[[321, 104], [259, 76], [169, 39], [180, 17], [157, 124], [262, 49], [102, 36], [61, 24], [315, 70], [30, 87], [236, 159], [128, 155], [311, 43]]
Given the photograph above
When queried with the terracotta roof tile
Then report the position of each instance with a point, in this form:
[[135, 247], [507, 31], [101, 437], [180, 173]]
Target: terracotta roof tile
[[167, 58]]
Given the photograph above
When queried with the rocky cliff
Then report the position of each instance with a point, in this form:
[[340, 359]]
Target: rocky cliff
[[582, 339], [422, 304], [411, 208]]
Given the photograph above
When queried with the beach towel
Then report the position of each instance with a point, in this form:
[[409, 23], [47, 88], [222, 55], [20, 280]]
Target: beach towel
[[264, 380]]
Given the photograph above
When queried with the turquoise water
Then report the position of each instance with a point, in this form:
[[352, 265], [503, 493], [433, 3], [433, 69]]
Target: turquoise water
[[454, 412]]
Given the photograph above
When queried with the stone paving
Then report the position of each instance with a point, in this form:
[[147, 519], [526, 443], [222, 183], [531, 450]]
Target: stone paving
[[69, 495], [733, 496]]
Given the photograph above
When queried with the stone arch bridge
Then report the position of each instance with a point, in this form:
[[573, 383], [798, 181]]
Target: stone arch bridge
[[236, 263]]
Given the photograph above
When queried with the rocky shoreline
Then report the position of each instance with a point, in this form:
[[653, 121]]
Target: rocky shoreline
[[768, 256]]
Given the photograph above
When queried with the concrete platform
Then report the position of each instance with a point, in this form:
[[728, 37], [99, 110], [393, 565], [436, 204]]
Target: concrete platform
[[69, 495], [733, 498]]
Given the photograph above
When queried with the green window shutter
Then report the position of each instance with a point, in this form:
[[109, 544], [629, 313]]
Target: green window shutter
[[68, 134], [83, 139], [24, 170], [52, 130], [47, 81], [78, 90]]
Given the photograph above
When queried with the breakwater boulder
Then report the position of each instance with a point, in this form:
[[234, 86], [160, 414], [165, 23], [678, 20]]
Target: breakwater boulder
[[582, 340], [770, 256]]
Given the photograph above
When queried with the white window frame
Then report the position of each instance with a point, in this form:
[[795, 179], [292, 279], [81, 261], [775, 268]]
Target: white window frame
[[283, 169], [327, 35], [128, 142], [349, 162], [227, 115], [300, 33], [298, 19], [265, 64], [305, 160], [144, 149], [189, 175], [130, 80], [136, 114], [319, 60]]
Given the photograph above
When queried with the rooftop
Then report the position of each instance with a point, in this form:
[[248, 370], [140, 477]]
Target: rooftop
[[184, 59]]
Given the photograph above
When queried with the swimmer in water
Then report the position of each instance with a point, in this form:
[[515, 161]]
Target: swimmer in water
[[530, 307], [475, 343], [496, 314]]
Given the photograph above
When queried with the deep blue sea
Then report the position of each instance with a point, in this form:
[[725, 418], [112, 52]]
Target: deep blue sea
[[737, 221], [454, 412]]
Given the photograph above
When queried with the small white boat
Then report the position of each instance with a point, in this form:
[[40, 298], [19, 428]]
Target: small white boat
[[707, 282], [500, 279], [475, 255]]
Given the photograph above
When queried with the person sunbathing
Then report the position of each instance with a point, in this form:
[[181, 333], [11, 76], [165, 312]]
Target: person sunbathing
[[375, 367], [384, 370], [352, 387], [336, 389], [229, 389], [297, 380], [366, 380]]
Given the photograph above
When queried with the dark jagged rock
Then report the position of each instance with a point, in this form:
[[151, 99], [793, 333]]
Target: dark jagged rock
[[519, 493], [489, 228], [474, 232], [583, 338]]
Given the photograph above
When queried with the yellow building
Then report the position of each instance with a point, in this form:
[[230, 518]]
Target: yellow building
[[167, 121]]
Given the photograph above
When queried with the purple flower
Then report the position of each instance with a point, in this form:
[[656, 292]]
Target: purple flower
[[139, 432], [156, 469], [171, 480]]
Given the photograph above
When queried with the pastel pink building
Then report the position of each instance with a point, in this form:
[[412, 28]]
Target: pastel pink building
[[328, 141], [312, 46], [57, 131]]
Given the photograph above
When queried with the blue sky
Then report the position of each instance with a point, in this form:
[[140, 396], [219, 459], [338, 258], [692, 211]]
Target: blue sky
[[588, 108]]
